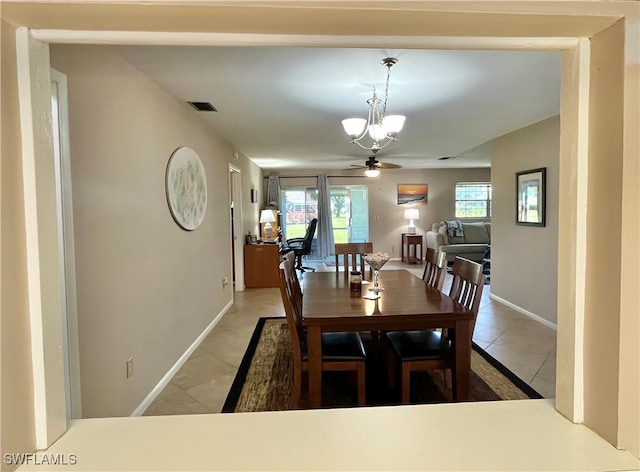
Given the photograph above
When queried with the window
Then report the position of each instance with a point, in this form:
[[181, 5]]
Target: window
[[473, 200]]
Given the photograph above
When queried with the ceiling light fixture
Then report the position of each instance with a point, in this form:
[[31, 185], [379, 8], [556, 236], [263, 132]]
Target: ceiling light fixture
[[381, 129], [372, 172]]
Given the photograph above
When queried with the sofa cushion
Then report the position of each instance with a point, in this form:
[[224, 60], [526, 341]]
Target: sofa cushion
[[474, 233]]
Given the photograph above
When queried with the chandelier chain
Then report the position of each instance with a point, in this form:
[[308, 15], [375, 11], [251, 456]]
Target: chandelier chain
[[386, 91]]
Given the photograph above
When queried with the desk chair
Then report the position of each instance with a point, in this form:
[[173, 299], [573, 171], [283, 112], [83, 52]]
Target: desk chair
[[431, 349], [349, 253], [340, 351], [302, 246]]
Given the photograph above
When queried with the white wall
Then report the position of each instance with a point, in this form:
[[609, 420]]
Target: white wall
[[524, 259], [146, 288]]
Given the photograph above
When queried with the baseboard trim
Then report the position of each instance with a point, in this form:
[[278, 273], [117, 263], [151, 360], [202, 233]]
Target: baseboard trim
[[533, 316], [179, 363]]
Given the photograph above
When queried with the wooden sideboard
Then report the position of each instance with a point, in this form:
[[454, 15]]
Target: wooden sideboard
[[261, 263]]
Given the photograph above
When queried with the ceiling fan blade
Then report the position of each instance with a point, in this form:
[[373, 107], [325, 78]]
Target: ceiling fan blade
[[355, 167], [387, 165]]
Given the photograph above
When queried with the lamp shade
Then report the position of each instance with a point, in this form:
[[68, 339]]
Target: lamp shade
[[411, 214], [267, 216], [392, 124], [354, 126]]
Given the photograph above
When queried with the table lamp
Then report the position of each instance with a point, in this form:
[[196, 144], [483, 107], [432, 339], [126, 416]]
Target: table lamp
[[411, 214], [267, 217]]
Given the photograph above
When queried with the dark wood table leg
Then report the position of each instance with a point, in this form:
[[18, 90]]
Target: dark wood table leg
[[314, 344], [462, 381]]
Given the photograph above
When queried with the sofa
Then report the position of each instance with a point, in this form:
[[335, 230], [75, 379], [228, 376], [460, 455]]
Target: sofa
[[471, 242]]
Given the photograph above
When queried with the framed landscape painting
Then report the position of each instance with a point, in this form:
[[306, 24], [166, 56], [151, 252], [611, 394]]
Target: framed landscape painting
[[530, 197], [409, 194]]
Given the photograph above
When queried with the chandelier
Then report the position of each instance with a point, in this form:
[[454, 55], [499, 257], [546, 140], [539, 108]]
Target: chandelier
[[382, 129]]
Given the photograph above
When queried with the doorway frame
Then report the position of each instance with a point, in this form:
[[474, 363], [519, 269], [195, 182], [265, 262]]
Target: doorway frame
[[237, 228], [574, 143], [70, 335]]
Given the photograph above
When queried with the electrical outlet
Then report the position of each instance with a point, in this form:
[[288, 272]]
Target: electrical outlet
[[129, 367], [225, 282]]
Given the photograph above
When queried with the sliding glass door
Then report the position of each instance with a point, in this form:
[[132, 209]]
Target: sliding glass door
[[349, 213]]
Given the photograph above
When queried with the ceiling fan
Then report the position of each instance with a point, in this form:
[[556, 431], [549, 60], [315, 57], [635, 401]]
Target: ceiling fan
[[372, 166]]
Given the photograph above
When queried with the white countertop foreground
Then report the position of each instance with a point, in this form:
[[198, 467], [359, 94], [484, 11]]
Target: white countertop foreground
[[502, 435]]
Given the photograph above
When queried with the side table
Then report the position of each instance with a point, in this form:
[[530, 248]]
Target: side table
[[411, 241]]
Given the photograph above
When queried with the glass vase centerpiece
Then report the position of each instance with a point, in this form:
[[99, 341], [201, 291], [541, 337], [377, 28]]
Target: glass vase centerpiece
[[376, 260]]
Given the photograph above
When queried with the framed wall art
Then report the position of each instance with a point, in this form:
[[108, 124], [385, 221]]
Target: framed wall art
[[530, 197], [254, 195], [186, 187], [411, 194]]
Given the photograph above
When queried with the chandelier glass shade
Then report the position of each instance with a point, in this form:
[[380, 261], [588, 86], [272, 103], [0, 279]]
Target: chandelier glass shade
[[382, 129]]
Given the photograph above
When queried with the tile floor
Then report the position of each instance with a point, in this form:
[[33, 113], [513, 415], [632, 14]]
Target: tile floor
[[525, 346]]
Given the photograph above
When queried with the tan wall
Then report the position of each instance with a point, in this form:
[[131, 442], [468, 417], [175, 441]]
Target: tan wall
[[16, 407], [524, 259], [146, 288], [386, 217], [604, 226]]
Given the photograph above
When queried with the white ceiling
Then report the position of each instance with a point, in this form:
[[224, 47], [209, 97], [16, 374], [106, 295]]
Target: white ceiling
[[282, 106]]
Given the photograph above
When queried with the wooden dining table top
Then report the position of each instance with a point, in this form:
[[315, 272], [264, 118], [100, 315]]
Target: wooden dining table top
[[327, 298]]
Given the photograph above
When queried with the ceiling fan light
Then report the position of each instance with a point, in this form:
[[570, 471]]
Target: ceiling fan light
[[372, 172], [354, 126], [392, 124]]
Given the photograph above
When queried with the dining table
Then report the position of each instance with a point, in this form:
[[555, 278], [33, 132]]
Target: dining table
[[407, 303]]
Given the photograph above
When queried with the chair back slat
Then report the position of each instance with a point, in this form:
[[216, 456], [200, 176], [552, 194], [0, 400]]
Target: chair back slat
[[350, 253], [435, 268], [291, 294], [467, 284]]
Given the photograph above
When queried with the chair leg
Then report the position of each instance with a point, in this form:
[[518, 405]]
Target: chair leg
[[391, 371], [296, 389], [406, 384], [362, 397]]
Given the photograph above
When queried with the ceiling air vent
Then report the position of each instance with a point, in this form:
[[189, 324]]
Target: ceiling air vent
[[202, 106]]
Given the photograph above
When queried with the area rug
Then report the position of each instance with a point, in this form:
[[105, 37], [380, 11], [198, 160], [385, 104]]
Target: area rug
[[263, 381]]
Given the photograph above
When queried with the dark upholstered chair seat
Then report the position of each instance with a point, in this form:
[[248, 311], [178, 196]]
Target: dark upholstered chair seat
[[340, 347], [419, 345]]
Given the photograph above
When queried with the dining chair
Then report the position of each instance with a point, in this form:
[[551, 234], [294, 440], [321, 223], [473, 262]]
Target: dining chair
[[431, 349], [340, 351], [350, 253], [435, 268]]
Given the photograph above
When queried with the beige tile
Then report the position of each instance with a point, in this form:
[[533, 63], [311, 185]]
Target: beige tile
[[212, 396], [483, 344], [517, 360], [483, 332], [175, 401], [499, 321], [545, 387], [526, 341], [202, 370], [524, 376], [548, 369]]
